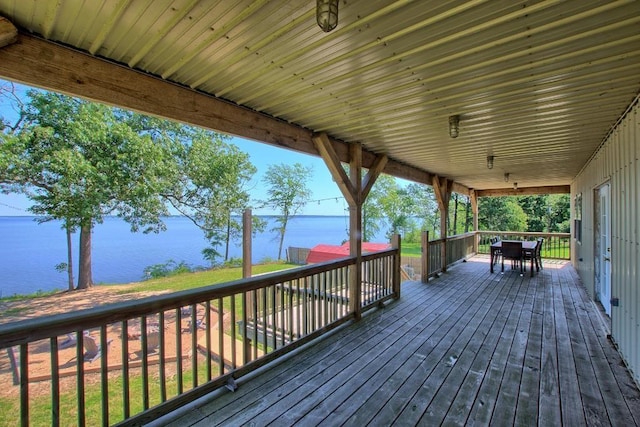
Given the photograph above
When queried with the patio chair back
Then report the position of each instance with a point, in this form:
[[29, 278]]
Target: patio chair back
[[512, 250]]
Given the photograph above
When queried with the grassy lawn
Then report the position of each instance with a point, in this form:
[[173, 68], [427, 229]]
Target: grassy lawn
[[411, 249], [198, 279]]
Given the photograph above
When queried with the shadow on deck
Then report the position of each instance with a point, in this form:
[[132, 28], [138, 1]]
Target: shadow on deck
[[469, 348]]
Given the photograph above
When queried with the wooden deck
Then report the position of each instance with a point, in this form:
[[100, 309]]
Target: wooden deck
[[469, 348]]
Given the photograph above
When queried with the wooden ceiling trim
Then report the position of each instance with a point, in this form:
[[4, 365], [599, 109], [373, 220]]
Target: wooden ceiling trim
[[8, 32], [525, 191], [37, 62]]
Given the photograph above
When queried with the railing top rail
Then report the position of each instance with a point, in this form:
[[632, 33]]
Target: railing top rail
[[524, 233], [461, 236], [379, 254]]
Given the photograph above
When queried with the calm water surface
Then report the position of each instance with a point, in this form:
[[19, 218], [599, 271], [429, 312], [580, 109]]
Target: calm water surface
[[30, 251]]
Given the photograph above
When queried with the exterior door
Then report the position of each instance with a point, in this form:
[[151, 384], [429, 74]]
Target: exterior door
[[602, 262]]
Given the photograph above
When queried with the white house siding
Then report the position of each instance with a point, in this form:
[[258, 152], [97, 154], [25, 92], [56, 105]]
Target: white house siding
[[616, 162]]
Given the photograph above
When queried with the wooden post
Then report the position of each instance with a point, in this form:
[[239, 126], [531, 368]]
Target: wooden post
[[425, 256], [395, 244], [473, 198], [355, 230], [246, 243], [442, 189]]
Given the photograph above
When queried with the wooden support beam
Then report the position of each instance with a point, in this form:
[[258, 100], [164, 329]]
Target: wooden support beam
[[442, 190], [325, 148], [37, 62], [373, 174], [525, 191], [8, 32]]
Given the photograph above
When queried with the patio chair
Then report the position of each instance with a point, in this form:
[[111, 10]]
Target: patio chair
[[532, 256], [92, 349], [513, 252], [497, 253], [539, 253]]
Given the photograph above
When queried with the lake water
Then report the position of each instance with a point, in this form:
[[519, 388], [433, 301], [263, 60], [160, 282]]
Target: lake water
[[30, 251]]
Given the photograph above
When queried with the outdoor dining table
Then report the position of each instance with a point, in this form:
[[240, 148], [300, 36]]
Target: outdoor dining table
[[528, 249]]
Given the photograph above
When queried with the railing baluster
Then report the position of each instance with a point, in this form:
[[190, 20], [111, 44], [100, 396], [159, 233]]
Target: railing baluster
[[246, 347], [126, 401], [55, 383], [283, 329], [233, 331], [291, 310], [104, 374], [145, 362], [254, 319], [264, 320], [24, 384], [162, 368], [179, 350], [80, 377], [299, 310], [194, 345], [274, 317], [325, 300], [221, 336], [207, 320]]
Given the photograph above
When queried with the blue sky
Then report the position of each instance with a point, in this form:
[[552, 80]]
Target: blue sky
[[326, 197]]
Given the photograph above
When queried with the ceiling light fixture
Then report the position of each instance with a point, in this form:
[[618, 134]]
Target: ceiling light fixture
[[327, 14], [454, 126], [506, 177], [490, 162]]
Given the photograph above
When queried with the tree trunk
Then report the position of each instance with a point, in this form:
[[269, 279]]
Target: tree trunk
[[468, 217], [454, 226], [85, 277], [227, 238], [70, 258], [282, 231]]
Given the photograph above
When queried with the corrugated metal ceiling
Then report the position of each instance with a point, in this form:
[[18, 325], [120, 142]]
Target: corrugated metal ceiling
[[537, 84]]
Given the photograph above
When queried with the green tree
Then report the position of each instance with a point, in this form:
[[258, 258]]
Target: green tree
[[501, 214], [288, 192], [559, 213], [426, 209], [212, 190], [398, 206], [535, 207], [80, 161], [372, 214]]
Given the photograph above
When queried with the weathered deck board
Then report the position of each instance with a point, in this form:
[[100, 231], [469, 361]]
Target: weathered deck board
[[469, 348]]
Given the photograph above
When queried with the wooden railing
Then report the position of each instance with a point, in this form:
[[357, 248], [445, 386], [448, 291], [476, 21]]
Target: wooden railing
[[454, 249], [555, 246], [460, 247], [132, 362]]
